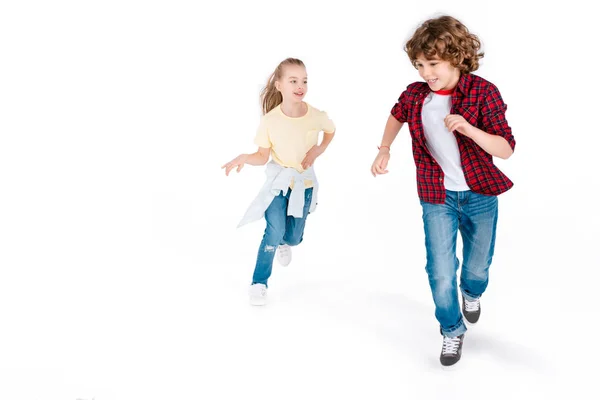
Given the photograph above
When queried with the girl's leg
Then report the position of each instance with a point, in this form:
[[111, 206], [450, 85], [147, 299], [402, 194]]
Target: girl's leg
[[294, 231], [275, 216]]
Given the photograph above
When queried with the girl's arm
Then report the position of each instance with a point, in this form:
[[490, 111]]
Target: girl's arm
[[317, 150], [327, 138], [259, 158]]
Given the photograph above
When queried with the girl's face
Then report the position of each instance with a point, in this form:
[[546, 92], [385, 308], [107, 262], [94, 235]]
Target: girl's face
[[439, 74], [293, 84]]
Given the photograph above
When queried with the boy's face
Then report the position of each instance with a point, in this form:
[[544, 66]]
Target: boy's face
[[293, 84], [439, 74]]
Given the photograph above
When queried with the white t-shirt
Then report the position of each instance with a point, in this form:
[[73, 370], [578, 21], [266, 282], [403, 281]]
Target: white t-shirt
[[441, 142]]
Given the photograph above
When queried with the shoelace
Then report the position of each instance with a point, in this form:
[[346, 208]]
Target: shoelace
[[261, 292], [284, 251], [450, 345], [471, 306]]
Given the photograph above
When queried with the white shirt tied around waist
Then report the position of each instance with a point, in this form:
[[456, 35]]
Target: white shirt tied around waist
[[278, 180]]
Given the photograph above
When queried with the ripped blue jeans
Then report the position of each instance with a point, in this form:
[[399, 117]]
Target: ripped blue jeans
[[281, 229]]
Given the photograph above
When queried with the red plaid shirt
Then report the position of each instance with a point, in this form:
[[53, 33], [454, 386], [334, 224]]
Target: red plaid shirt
[[480, 103]]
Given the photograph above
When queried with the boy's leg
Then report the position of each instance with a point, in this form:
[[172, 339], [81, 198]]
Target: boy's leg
[[275, 215], [478, 231], [441, 228]]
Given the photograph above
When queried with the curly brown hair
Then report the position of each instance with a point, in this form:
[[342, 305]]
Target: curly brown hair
[[447, 38]]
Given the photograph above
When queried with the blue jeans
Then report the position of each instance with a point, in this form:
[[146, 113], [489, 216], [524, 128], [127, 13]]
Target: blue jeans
[[475, 216], [281, 229]]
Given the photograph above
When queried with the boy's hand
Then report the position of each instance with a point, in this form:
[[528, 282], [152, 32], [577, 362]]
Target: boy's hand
[[238, 162], [455, 122], [311, 156], [381, 161]]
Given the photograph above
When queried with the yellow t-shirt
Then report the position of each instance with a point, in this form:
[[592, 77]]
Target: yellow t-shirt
[[291, 138]]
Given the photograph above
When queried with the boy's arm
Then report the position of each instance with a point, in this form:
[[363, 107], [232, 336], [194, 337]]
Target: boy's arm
[[495, 145], [392, 127], [496, 136], [398, 116]]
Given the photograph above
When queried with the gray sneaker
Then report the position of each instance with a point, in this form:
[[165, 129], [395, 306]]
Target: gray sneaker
[[471, 310], [451, 350]]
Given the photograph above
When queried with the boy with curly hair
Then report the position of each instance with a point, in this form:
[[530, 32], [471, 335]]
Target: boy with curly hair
[[457, 124]]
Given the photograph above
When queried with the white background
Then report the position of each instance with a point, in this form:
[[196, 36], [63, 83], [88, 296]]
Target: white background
[[122, 273]]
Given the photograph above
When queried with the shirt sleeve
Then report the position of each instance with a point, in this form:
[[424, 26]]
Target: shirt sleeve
[[327, 124], [262, 134], [494, 119], [400, 109]]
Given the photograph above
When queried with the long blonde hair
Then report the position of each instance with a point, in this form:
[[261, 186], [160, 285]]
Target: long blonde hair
[[270, 97]]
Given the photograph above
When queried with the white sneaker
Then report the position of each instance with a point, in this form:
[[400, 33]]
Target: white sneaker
[[258, 294], [284, 255]]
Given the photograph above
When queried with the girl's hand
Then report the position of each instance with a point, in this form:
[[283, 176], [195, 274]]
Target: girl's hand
[[455, 122], [238, 162], [311, 156], [381, 161]]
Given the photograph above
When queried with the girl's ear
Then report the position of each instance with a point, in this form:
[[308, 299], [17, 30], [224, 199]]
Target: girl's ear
[[277, 86]]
